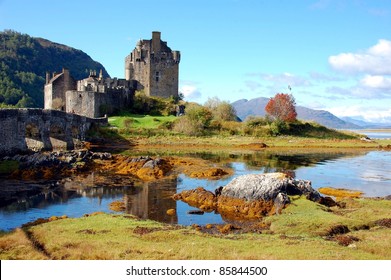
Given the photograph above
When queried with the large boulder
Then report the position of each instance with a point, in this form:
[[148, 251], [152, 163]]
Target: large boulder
[[267, 187], [257, 195], [250, 196]]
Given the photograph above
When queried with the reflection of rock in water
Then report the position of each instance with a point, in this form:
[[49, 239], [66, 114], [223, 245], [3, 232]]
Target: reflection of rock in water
[[19, 195], [152, 200]]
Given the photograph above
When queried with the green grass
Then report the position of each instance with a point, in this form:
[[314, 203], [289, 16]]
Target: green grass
[[306, 218], [139, 121], [295, 234]]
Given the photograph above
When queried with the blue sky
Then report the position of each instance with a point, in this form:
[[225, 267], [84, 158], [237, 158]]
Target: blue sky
[[335, 54]]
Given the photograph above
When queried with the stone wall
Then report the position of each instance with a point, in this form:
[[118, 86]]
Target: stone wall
[[164, 79], [24, 130], [97, 104], [54, 90]]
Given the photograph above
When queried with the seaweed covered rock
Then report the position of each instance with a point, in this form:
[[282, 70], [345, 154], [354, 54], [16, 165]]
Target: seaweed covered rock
[[142, 167], [199, 197], [250, 196], [257, 195]]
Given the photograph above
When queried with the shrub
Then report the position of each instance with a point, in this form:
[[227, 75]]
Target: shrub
[[232, 127], [186, 126], [254, 122], [278, 127], [128, 122], [221, 110], [143, 104]]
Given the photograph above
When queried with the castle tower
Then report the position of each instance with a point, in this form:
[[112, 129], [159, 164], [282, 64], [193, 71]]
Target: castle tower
[[55, 88], [154, 66]]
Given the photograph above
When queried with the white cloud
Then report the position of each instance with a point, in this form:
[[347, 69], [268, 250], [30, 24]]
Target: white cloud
[[321, 77], [286, 79], [375, 61], [376, 82], [360, 91], [190, 92], [375, 115], [371, 68], [252, 85]]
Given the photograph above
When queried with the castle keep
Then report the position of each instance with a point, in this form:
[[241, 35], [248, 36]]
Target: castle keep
[[154, 66], [151, 67]]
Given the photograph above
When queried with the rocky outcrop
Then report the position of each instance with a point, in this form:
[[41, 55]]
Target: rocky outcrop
[[142, 167], [250, 196], [147, 168], [200, 198], [267, 187], [50, 165]]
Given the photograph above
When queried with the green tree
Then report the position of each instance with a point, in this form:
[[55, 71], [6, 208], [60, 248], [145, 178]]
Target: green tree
[[195, 121], [221, 110]]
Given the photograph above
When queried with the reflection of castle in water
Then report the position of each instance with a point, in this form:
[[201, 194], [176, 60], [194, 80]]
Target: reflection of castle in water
[[147, 200], [152, 200]]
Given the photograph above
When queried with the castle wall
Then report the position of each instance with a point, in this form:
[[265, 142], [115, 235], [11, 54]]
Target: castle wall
[[48, 96], [164, 79], [55, 90], [26, 130], [97, 104]]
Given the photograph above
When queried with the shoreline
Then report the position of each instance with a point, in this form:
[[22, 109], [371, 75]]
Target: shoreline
[[366, 219]]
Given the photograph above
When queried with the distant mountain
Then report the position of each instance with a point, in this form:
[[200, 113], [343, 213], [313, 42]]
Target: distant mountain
[[256, 107], [365, 124], [24, 61]]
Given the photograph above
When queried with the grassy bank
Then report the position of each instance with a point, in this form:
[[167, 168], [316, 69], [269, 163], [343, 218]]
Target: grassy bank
[[157, 132], [305, 230]]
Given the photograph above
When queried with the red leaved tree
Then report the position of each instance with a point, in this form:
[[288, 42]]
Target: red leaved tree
[[282, 107]]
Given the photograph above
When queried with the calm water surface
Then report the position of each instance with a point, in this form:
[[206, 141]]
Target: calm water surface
[[76, 196]]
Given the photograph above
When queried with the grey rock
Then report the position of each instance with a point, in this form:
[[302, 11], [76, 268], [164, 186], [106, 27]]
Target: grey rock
[[267, 187], [152, 163], [280, 201]]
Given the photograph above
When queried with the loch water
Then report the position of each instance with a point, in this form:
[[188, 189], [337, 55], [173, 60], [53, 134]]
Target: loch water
[[367, 171]]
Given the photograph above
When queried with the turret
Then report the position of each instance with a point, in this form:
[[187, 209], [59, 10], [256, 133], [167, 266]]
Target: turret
[[47, 77], [156, 41]]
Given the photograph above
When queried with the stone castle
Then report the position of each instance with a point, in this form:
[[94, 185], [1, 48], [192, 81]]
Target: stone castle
[[152, 67]]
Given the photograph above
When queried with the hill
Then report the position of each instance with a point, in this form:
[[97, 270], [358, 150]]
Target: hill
[[24, 62], [256, 107]]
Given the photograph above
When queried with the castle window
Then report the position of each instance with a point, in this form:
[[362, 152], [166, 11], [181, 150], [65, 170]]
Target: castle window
[[157, 76]]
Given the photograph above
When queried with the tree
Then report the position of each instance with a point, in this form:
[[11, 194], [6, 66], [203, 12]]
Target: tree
[[196, 119], [282, 108], [221, 110]]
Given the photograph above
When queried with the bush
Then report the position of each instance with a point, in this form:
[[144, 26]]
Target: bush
[[128, 122], [199, 115], [166, 125], [186, 126], [254, 122], [232, 127], [195, 122], [278, 127], [143, 104], [221, 110]]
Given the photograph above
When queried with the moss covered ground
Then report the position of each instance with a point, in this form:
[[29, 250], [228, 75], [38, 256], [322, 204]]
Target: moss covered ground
[[360, 229]]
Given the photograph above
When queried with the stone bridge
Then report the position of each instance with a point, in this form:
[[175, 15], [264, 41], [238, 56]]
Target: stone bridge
[[23, 130]]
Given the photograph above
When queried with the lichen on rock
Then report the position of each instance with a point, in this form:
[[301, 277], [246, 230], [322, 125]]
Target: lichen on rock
[[250, 196], [199, 198]]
